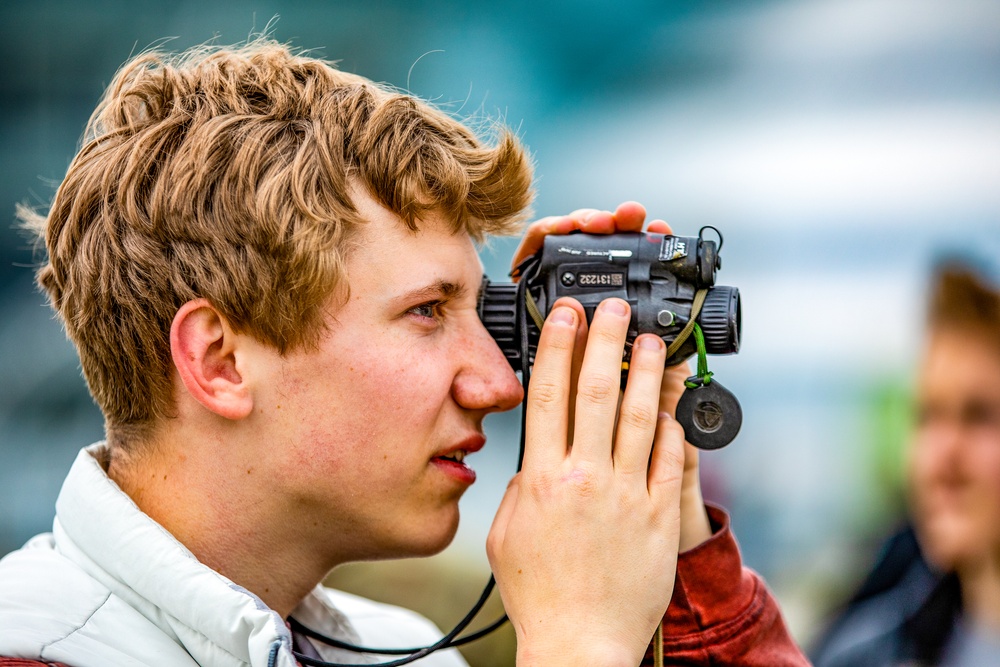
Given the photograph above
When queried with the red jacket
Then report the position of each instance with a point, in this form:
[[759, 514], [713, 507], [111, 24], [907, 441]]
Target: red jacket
[[721, 613]]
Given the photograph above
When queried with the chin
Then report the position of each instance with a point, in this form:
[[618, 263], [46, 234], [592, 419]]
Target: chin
[[428, 537], [946, 545]]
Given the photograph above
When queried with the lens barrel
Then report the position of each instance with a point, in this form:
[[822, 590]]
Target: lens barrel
[[721, 320], [498, 311]]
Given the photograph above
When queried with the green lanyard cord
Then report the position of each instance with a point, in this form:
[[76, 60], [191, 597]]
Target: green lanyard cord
[[703, 376]]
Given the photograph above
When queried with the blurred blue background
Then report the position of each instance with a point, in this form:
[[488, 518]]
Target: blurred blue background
[[842, 146]]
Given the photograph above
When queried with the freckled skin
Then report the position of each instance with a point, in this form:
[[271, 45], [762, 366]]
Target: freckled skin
[[387, 389]]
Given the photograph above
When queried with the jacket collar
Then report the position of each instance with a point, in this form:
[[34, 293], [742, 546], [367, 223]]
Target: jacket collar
[[218, 623]]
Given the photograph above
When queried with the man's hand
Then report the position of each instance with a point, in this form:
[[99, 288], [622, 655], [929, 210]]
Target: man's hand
[[630, 217], [584, 545]]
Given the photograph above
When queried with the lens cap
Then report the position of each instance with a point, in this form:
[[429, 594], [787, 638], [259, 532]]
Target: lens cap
[[710, 414]]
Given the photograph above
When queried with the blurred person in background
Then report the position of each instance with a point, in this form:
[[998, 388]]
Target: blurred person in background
[[268, 268], [934, 596]]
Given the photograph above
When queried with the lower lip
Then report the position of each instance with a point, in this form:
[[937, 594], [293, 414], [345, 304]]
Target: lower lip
[[455, 470]]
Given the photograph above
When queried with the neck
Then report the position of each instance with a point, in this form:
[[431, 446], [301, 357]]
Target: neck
[[980, 583], [217, 501]]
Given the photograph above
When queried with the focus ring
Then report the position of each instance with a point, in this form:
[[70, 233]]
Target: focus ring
[[720, 320]]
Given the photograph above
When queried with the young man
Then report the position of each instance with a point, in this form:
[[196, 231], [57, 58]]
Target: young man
[[268, 268], [934, 597]]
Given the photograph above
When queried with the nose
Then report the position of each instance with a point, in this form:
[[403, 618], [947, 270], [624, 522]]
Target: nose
[[485, 380]]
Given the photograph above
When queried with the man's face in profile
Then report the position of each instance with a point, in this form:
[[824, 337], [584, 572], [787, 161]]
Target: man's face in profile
[[955, 458], [373, 425]]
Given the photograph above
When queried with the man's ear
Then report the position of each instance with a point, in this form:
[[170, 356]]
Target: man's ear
[[205, 349]]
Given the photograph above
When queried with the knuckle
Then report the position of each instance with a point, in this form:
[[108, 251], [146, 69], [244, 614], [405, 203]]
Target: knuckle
[[608, 336], [514, 482], [583, 481], [648, 363], [637, 416], [492, 547], [598, 389], [579, 483], [628, 501], [561, 339], [545, 396], [672, 435], [540, 484], [673, 429], [674, 460], [539, 226]]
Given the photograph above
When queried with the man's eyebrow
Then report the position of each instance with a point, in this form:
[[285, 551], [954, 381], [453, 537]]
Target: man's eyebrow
[[441, 289]]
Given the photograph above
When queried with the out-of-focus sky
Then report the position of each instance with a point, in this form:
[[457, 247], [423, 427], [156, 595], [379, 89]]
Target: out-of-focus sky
[[840, 145]]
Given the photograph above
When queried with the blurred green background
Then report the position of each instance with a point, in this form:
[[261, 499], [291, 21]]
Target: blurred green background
[[842, 146]]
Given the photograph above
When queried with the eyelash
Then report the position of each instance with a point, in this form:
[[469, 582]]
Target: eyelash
[[435, 307]]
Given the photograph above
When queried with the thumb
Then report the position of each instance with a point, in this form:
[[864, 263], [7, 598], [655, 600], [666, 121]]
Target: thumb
[[498, 531]]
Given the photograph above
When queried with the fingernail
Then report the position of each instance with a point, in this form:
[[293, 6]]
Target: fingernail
[[650, 343], [665, 416], [614, 306], [564, 316]]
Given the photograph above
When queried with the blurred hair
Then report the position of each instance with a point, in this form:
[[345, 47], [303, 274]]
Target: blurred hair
[[961, 298], [224, 173]]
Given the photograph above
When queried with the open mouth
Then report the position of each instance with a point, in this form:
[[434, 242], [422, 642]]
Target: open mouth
[[453, 464]]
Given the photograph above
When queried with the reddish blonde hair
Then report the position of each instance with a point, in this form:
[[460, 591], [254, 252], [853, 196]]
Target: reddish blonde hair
[[224, 173]]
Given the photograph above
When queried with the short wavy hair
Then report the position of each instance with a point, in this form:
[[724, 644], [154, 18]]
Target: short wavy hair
[[963, 298], [224, 173]]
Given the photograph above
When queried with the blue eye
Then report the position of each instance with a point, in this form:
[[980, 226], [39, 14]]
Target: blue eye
[[428, 310]]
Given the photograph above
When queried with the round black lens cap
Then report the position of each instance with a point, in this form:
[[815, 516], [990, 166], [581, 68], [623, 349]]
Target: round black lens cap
[[710, 414]]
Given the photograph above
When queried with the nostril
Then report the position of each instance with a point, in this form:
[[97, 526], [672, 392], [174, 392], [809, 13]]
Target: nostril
[[480, 389], [486, 381]]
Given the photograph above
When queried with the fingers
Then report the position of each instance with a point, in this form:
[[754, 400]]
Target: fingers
[[546, 420], [600, 379], [666, 464], [581, 332], [659, 227], [578, 351], [637, 418], [691, 465], [695, 526], [535, 235], [628, 217], [671, 390], [673, 386]]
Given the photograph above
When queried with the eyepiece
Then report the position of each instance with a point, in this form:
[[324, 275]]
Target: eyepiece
[[721, 320], [498, 311]]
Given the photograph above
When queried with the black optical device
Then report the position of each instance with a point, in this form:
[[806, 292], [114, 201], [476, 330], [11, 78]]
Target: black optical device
[[658, 275], [667, 280]]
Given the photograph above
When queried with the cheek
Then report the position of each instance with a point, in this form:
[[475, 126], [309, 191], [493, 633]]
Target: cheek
[[984, 467], [399, 384], [921, 464], [370, 405]]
